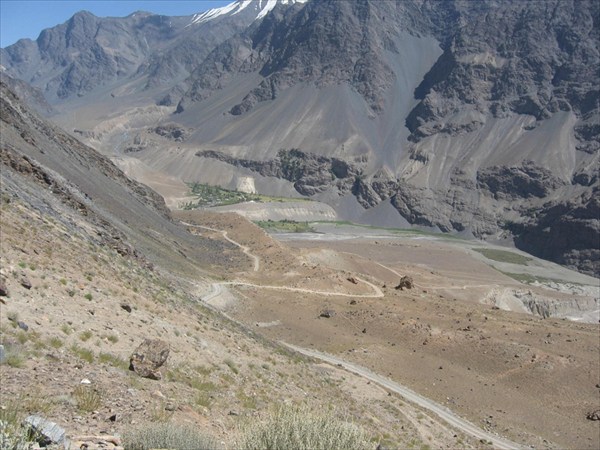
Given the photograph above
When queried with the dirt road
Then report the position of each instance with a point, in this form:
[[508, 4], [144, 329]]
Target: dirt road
[[441, 411]]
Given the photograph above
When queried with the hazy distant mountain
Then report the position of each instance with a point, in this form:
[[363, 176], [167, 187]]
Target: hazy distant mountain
[[473, 117], [88, 52]]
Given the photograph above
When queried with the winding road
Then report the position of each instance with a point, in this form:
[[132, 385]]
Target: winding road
[[245, 250], [441, 411]]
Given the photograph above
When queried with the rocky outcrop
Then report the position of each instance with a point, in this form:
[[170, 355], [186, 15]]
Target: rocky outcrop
[[564, 231], [171, 131], [525, 181], [310, 173]]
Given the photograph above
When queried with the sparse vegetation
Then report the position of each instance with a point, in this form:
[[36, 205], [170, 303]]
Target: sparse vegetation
[[166, 435], [289, 226], [14, 357], [55, 342], [87, 398], [298, 428], [208, 196], [83, 353], [232, 366], [115, 361], [503, 256], [85, 335]]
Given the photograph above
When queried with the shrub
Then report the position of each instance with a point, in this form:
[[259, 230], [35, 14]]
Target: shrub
[[88, 399], [166, 435], [298, 428], [83, 353], [85, 335]]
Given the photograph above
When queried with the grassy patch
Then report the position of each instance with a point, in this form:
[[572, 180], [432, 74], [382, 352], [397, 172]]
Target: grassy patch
[[530, 279], [83, 353], [87, 398], [166, 435], [503, 256], [85, 335], [208, 196], [115, 361], [296, 427], [398, 231], [288, 226], [232, 366]]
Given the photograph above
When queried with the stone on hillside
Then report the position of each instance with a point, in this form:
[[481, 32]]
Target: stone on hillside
[[352, 280], [593, 415], [49, 433], [327, 313], [25, 282], [22, 325], [405, 282], [148, 358], [3, 289], [126, 307]]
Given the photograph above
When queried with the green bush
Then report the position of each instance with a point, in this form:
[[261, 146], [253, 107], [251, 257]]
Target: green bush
[[300, 429], [166, 435]]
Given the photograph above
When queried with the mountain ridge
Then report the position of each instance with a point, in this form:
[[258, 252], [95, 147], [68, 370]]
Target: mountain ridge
[[458, 111]]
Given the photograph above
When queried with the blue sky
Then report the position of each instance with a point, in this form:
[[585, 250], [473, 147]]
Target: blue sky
[[25, 19]]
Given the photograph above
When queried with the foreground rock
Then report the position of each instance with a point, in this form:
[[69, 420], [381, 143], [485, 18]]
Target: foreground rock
[[49, 432], [147, 359], [405, 282]]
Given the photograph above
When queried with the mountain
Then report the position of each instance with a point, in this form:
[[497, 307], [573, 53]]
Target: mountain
[[479, 118], [145, 49]]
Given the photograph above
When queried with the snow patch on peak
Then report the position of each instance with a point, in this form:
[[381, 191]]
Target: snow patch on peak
[[270, 4], [262, 6]]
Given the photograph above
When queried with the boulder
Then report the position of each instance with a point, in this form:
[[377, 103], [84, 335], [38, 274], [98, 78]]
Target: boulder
[[327, 313], [47, 432], [148, 358], [405, 282]]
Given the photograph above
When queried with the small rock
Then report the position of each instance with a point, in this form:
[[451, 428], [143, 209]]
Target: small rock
[[158, 394], [593, 415], [364, 331], [353, 302], [352, 280], [327, 313], [85, 381], [114, 418], [23, 326], [170, 407], [233, 413], [25, 282], [149, 357], [3, 290], [126, 307]]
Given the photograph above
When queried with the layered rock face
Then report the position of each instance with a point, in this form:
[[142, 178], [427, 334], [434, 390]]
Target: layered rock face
[[473, 117]]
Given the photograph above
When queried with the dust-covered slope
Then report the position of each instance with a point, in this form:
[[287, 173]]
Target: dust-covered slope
[[129, 216]]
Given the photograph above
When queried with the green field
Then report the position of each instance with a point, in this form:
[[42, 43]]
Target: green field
[[288, 226], [503, 256], [207, 196]]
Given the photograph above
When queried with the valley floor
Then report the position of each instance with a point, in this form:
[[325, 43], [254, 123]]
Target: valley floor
[[528, 378]]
